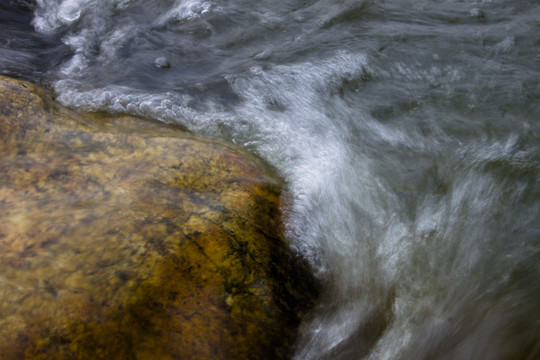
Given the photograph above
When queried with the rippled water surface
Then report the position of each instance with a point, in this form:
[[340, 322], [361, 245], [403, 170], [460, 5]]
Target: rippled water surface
[[408, 133]]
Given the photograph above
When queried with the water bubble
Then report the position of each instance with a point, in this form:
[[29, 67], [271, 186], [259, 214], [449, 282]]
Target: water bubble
[[69, 11], [162, 63], [479, 14]]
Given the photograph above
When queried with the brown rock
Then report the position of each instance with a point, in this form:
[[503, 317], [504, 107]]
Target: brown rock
[[121, 238]]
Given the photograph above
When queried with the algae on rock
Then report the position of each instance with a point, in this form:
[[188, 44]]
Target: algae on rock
[[121, 238]]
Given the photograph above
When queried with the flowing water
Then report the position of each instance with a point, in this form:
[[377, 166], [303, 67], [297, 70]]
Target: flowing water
[[408, 133]]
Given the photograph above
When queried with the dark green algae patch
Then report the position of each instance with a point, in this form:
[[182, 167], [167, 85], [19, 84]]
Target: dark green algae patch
[[122, 238]]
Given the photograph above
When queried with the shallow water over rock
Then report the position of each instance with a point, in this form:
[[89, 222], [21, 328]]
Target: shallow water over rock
[[122, 238]]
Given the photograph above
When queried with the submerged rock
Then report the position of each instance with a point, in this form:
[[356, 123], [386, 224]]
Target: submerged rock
[[125, 239]]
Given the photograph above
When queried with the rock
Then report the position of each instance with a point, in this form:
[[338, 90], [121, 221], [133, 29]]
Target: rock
[[121, 238]]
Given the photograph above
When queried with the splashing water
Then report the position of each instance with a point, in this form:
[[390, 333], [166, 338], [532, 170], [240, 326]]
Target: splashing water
[[407, 133]]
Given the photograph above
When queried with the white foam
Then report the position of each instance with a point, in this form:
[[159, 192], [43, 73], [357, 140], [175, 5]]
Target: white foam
[[184, 10], [69, 11], [340, 216], [51, 14], [345, 212]]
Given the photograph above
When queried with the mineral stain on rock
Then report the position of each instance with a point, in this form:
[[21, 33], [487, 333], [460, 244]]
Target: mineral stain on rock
[[126, 239]]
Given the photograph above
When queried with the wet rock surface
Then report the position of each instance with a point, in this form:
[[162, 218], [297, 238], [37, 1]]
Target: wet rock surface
[[126, 239]]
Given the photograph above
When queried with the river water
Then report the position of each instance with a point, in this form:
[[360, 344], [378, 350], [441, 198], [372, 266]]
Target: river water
[[408, 133]]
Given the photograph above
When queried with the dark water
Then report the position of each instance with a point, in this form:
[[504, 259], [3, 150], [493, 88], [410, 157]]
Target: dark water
[[408, 132]]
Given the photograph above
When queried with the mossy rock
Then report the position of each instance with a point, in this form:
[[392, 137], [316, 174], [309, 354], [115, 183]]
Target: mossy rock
[[122, 238]]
